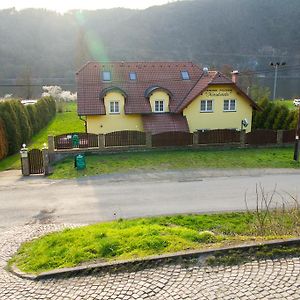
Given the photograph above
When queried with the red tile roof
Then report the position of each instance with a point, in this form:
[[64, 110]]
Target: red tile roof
[[164, 122], [164, 75]]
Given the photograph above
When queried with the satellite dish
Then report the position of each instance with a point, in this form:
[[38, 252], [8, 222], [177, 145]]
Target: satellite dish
[[245, 122]]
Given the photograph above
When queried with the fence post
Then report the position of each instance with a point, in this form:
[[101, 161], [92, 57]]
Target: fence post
[[279, 137], [51, 144], [101, 141], [195, 138], [243, 138], [148, 140], [25, 161], [46, 162]]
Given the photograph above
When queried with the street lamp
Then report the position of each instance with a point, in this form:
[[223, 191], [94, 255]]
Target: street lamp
[[276, 65], [296, 149]]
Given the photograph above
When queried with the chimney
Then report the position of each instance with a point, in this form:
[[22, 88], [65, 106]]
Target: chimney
[[234, 76], [205, 71]]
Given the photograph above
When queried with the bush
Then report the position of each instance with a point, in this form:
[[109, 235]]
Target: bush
[[3, 141], [12, 126], [20, 122], [274, 116]]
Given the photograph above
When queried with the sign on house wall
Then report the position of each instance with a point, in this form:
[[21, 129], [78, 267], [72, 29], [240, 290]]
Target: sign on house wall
[[223, 92]]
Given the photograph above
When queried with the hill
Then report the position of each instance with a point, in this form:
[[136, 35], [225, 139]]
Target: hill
[[242, 33]]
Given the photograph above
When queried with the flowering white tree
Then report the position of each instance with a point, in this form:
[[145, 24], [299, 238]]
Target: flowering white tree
[[60, 96], [58, 93]]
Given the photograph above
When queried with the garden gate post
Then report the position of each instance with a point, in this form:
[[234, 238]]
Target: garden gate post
[[51, 145], [195, 138], [243, 138], [148, 140], [46, 162], [101, 141], [24, 161], [279, 137]]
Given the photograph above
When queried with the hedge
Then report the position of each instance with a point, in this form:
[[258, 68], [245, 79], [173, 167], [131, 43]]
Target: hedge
[[20, 122], [3, 141], [274, 116]]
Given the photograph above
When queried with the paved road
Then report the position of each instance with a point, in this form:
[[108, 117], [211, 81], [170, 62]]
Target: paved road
[[40, 200], [266, 279]]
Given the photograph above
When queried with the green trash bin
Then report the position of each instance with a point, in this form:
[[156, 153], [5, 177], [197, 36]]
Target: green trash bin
[[75, 141], [80, 162]]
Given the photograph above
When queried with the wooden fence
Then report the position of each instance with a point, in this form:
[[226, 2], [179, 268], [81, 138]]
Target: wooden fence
[[288, 136], [125, 138], [70, 141], [261, 137], [169, 139], [219, 136]]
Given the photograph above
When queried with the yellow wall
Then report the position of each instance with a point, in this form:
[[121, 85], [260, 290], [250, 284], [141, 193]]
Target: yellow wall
[[114, 122], [159, 95], [218, 119]]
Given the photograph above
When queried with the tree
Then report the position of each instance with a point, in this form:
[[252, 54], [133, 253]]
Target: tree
[[12, 129], [59, 95], [3, 140]]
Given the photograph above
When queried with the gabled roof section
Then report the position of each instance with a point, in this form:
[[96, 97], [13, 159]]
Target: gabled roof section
[[206, 80], [166, 75]]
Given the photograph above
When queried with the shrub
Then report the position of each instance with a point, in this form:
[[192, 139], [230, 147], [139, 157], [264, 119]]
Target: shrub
[[12, 127], [274, 116], [3, 141], [20, 122]]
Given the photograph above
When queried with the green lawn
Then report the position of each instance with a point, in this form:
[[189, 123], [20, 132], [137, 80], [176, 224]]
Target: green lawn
[[62, 123], [288, 103], [178, 159], [127, 239]]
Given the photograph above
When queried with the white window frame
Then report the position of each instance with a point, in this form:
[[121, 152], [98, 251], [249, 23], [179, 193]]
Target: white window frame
[[229, 105], [114, 107], [207, 110], [160, 108]]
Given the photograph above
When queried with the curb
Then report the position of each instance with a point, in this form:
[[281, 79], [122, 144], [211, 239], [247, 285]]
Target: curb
[[142, 263]]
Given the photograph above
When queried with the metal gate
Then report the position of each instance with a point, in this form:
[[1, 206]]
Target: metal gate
[[35, 159]]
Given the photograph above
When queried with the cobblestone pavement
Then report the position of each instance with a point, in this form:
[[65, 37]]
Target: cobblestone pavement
[[268, 279]]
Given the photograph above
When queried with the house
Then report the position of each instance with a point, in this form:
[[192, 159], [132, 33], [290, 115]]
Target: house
[[158, 97]]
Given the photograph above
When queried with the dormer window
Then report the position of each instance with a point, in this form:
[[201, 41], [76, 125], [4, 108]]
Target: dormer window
[[106, 76], [132, 76], [159, 106], [185, 75]]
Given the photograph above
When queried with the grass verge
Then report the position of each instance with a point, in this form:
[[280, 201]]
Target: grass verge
[[127, 239], [178, 159]]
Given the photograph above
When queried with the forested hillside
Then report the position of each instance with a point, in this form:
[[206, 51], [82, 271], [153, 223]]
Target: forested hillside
[[242, 33]]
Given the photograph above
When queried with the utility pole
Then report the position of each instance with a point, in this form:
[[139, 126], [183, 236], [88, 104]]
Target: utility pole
[[276, 65], [296, 149]]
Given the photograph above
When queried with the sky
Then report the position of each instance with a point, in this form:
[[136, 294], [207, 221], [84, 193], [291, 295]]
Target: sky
[[65, 5]]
